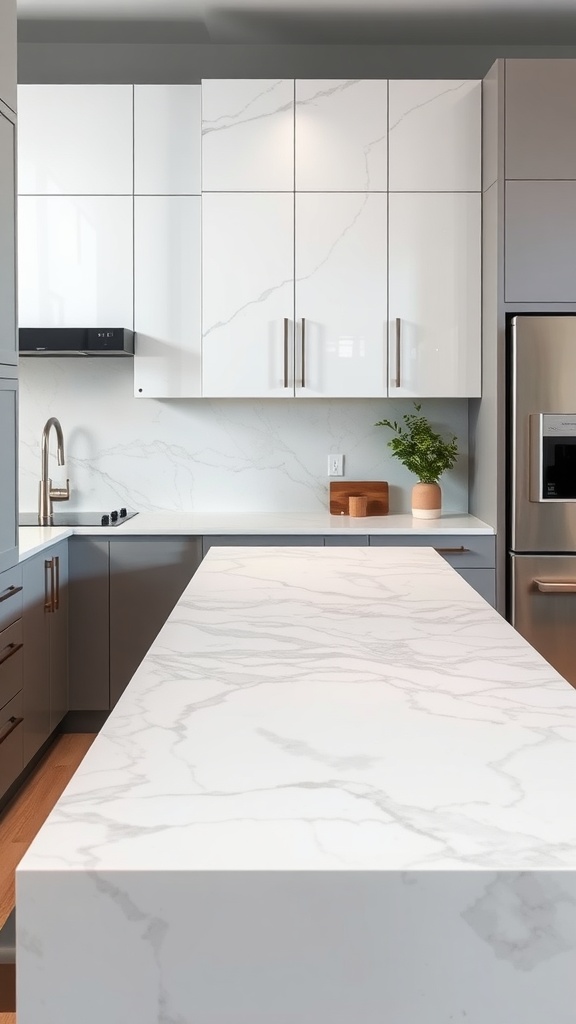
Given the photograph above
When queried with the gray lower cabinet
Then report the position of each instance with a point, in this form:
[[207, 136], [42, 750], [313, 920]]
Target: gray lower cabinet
[[147, 577], [121, 593], [11, 677], [257, 541], [45, 635], [8, 472], [473, 557]]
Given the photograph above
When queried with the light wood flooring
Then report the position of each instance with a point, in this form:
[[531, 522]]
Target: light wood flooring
[[24, 815]]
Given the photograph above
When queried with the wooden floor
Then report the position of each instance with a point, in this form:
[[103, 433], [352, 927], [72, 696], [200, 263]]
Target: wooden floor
[[22, 818]]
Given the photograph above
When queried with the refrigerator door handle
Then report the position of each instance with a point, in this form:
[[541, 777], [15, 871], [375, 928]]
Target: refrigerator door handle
[[556, 586]]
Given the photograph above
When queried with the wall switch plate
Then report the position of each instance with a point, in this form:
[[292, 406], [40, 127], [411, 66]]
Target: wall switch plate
[[335, 465]]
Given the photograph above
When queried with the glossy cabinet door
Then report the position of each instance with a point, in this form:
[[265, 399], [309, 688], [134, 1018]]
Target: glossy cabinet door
[[248, 295], [167, 139], [75, 261], [167, 296], [435, 136], [8, 348], [341, 286], [434, 295], [341, 136], [247, 135], [75, 140], [540, 241], [8, 472]]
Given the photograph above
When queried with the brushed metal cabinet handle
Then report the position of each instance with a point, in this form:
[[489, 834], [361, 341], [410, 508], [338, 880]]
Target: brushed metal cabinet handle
[[49, 585], [56, 599], [303, 340], [452, 551], [11, 649], [398, 381], [10, 593], [556, 586], [11, 724], [286, 382]]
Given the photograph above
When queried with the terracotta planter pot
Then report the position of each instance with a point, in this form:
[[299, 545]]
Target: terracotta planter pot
[[426, 501]]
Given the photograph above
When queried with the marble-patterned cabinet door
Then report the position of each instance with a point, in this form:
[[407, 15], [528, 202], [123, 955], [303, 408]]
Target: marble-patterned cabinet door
[[341, 135], [435, 136], [247, 135], [248, 294], [341, 294]]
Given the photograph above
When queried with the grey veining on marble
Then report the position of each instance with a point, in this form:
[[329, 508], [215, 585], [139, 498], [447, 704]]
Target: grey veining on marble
[[262, 104]]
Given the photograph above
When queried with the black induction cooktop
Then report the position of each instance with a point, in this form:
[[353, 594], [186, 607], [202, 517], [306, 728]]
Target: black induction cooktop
[[115, 518]]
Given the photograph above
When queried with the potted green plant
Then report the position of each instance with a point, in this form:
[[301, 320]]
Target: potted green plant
[[425, 453]]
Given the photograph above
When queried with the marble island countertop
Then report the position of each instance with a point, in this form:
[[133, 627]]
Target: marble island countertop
[[358, 709], [336, 790]]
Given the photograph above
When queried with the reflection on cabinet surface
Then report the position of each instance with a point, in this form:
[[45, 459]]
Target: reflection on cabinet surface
[[75, 140], [434, 294], [75, 261]]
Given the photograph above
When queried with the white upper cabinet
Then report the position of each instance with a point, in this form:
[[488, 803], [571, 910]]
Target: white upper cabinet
[[435, 136], [75, 140], [167, 296], [247, 135], [248, 294], [167, 139], [341, 136], [434, 294], [75, 261], [341, 282], [8, 348]]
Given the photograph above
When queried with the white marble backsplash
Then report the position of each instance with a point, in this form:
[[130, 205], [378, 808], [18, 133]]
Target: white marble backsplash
[[211, 455]]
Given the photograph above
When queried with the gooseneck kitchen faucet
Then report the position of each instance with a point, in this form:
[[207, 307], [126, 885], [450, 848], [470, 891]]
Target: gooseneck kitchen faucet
[[48, 494]]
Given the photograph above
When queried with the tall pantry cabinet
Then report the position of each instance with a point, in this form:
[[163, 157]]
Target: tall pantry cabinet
[[8, 343]]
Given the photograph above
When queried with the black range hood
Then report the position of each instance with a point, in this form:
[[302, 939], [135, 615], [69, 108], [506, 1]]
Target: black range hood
[[75, 341]]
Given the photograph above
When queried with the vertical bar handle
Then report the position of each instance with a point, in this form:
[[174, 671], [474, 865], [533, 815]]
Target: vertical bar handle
[[56, 599], [398, 381], [286, 383], [49, 575], [303, 352]]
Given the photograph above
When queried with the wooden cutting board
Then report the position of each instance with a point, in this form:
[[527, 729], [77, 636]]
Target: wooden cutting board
[[375, 490]]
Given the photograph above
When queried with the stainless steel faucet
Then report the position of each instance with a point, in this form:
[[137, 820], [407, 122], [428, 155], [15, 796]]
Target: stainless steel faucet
[[48, 494]]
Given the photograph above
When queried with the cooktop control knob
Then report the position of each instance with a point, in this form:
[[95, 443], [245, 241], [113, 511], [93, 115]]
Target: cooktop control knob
[[105, 521], [123, 513], [113, 516]]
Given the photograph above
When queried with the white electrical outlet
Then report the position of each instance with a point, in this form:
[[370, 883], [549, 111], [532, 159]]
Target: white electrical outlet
[[335, 465]]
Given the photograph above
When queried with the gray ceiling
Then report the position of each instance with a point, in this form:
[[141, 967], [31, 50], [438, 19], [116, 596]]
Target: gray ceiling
[[295, 21]]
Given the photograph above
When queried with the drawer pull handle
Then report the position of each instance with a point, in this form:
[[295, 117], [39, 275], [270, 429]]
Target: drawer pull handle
[[452, 551], [11, 649], [556, 586], [303, 352], [286, 384], [11, 724], [10, 593], [398, 381]]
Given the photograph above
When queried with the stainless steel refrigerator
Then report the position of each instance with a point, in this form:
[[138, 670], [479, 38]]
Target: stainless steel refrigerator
[[542, 486]]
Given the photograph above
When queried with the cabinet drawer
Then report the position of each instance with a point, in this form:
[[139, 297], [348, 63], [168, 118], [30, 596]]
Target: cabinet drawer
[[11, 757], [10, 596], [258, 541], [463, 552], [10, 662]]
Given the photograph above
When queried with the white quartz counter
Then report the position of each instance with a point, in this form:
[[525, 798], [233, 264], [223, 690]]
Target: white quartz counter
[[33, 539], [339, 788], [354, 708]]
